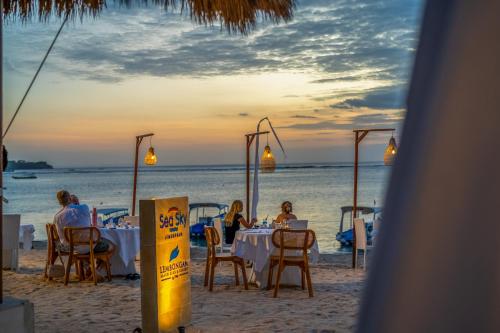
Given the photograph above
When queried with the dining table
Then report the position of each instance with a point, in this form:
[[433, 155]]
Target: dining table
[[256, 245], [127, 245]]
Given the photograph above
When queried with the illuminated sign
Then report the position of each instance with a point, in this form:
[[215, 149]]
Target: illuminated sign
[[165, 264]]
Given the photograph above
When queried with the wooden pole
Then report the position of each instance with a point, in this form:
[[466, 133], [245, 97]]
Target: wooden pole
[[357, 139], [355, 199], [138, 140]]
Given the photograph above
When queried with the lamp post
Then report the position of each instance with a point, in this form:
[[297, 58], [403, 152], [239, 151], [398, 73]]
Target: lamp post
[[249, 138], [359, 135], [151, 157]]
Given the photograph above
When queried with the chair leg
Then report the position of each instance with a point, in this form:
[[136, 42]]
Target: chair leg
[[108, 269], [302, 278], [68, 269], [270, 275], [309, 283], [207, 266], [277, 286], [237, 278], [244, 274], [212, 271], [92, 268]]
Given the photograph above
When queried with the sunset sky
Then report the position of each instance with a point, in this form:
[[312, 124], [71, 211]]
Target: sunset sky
[[338, 65]]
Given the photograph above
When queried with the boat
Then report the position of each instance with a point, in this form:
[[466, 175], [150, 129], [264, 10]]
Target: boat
[[24, 175], [345, 237], [111, 215], [204, 214]]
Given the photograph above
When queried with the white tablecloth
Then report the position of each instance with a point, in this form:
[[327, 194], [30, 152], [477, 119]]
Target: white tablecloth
[[256, 245], [127, 242]]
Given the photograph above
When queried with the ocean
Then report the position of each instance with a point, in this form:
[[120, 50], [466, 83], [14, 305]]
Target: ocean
[[317, 191]]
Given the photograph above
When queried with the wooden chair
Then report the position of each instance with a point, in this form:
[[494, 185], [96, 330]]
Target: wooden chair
[[361, 240], [286, 240], [213, 239], [86, 236], [52, 252]]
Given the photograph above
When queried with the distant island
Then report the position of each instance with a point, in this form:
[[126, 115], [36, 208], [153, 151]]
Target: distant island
[[25, 165]]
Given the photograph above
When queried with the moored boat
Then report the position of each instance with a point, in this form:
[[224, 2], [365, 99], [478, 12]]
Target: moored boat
[[204, 214], [24, 175], [345, 237]]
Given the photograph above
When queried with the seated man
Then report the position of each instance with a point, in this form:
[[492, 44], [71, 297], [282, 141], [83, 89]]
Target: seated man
[[72, 214]]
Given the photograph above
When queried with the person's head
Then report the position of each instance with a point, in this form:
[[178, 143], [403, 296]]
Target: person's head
[[74, 199], [286, 207], [236, 207], [64, 198]]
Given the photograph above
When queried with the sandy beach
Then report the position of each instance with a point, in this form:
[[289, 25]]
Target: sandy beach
[[115, 306]]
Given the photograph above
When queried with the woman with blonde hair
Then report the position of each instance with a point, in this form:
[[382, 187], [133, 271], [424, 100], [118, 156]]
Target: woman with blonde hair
[[233, 220]]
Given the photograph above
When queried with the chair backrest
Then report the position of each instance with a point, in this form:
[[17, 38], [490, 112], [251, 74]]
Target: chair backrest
[[297, 224], [82, 236], [10, 231], [287, 239], [360, 230], [132, 220], [218, 227], [213, 239]]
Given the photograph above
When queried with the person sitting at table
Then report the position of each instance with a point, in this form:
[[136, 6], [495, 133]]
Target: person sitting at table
[[233, 220], [73, 215], [286, 213]]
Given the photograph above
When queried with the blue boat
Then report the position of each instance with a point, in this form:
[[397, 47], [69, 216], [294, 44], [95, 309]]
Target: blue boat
[[346, 237], [203, 214], [111, 215]]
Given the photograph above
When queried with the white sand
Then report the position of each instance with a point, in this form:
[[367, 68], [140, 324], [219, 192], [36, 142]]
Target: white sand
[[116, 307]]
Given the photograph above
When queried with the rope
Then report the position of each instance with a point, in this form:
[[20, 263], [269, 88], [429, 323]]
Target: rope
[[35, 76]]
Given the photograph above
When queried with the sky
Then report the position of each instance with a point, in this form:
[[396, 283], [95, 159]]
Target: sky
[[338, 65]]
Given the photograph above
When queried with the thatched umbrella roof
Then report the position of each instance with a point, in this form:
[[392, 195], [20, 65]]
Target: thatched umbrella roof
[[235, 15]]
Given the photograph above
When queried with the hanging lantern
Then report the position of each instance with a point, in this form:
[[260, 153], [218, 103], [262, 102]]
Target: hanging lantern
[[267, 162], [390, 151], [150, 158]]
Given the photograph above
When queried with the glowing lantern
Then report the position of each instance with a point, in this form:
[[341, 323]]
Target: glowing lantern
[[150, 158], [390, 151], [267, 162]]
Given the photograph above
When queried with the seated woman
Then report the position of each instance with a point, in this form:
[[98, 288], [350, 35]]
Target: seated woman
[[233, 220], [286, 212]]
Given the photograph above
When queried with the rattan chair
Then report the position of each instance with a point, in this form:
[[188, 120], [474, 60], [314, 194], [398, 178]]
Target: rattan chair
[[213, 239], [52, 251], [289, 242], [87, 236]]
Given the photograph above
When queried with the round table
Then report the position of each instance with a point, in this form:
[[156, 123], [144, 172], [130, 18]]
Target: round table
[[128, 245], [256, 245]]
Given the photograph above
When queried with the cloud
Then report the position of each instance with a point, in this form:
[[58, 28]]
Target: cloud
[[380, 99], [243, 114], [299, 116], [342, 40], [364, 120]]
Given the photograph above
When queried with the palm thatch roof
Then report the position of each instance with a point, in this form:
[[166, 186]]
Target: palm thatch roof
[[235, 15]]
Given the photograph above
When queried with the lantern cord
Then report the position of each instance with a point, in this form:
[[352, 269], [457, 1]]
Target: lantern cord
[[36, 75], [276, 136]]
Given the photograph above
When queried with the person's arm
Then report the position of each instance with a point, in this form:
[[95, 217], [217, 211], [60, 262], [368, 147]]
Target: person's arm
[[246, 224], [279, 218]]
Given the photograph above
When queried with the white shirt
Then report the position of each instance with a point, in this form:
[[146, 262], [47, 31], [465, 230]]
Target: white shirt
[[71, 216]]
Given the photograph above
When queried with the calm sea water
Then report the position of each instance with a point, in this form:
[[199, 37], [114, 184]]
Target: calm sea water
[[317, 191]]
